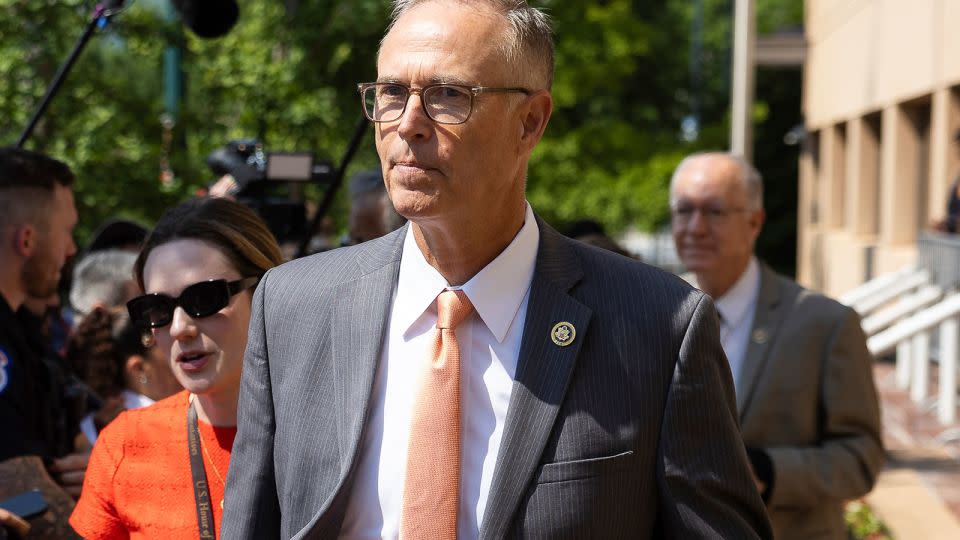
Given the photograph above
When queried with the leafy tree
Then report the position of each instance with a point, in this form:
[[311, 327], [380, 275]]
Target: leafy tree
[[286, 74]]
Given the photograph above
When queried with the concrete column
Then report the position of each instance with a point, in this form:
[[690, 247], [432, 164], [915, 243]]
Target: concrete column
[[861, 176], [898, 191], [945, 120], [833, 154]]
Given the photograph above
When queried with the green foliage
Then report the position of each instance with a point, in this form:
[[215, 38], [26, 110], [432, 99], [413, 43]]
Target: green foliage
[[286, 74], [863, 524]]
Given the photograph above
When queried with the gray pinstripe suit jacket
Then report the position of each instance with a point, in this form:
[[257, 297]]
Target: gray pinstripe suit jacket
[[629, 432]]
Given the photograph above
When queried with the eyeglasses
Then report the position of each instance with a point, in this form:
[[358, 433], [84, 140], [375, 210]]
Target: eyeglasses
[[443, 103], [714, 215], [198, 300]]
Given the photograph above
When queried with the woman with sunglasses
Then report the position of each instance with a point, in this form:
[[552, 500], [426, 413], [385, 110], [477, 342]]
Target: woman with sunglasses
[[159, 472]]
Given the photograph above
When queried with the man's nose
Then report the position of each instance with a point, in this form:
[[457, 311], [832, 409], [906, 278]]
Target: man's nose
[[697, 223], [414, 123]]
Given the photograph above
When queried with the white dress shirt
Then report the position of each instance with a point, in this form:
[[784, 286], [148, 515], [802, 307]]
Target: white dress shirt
[[489, 344], [737, 308]]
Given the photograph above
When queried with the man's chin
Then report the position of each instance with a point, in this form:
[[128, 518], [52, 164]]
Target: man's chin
[[414, 206], [697, 264]]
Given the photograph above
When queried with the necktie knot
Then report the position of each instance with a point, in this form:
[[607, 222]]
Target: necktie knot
[[452, 308]]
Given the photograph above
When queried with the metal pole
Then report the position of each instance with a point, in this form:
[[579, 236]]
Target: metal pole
[[98, 19], [744, 46]]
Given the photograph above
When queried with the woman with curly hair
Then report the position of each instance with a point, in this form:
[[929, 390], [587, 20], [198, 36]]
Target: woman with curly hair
[[118, 362]]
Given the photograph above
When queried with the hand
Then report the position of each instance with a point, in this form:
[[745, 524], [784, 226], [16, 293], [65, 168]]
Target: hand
[[225, 187], [14, 522], [761, 486], [69, 471]]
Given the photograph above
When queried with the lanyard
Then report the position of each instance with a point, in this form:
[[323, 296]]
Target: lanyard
[[201, 490]]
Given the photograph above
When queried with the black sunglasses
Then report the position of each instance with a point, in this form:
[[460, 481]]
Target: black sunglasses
[[198, 300]]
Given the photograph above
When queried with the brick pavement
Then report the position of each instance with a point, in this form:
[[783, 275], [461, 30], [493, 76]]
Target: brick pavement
[[918, 495]]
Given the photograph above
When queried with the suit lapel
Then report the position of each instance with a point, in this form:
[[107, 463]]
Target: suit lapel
[[766, 322], [358, 323], [541, 380]]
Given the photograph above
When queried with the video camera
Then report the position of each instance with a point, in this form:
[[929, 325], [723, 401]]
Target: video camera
[[270, 183]]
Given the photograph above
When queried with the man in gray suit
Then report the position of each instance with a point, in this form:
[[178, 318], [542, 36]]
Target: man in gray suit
[[590, 397], [805, 393]]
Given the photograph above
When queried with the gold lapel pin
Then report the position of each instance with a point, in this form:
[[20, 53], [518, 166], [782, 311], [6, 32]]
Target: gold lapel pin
[[563, 334], [760, 336]]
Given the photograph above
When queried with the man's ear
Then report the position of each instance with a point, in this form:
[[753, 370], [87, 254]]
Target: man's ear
[[25, 240], [757, 218], [537, 112]]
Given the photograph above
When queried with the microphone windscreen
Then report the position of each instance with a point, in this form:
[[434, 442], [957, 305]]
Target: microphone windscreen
[[208, 18]]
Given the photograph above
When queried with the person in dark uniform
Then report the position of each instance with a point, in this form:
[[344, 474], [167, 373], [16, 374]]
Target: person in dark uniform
[[37, 217]]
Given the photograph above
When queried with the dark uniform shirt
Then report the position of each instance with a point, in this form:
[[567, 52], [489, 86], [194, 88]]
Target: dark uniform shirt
[[28, 416]]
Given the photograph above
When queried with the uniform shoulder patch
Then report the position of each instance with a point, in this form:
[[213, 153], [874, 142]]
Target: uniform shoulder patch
[[4, 369]]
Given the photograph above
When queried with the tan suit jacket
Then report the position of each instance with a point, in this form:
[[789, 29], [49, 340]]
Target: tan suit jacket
[[806, 396]]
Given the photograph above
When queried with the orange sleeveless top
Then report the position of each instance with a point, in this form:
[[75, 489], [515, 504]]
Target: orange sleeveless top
[[138, 483]]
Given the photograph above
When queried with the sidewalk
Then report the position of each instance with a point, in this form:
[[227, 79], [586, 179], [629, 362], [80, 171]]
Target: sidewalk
[[918, 494]]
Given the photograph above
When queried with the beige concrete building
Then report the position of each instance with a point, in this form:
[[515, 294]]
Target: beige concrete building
[[881, 103]]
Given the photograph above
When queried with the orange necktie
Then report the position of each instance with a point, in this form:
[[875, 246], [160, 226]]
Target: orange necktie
[[431, 491]]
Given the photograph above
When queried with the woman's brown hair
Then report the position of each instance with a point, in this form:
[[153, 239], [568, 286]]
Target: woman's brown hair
[[229, 226]]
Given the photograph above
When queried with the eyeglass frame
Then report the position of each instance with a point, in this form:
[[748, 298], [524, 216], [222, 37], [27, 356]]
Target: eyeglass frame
[[711, 215], [234, 288], [474, 92]]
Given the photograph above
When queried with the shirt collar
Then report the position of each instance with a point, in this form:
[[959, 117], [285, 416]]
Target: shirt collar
[[496, 291], [735, 304]]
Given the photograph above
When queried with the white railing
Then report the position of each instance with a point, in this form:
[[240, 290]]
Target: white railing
[[911, 339], [901, 309], [891, 292], [875, 285]]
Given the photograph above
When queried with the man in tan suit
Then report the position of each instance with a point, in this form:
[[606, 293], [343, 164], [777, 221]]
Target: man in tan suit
[[805, 393]]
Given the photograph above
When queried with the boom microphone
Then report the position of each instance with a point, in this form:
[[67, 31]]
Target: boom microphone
[[208, 18]]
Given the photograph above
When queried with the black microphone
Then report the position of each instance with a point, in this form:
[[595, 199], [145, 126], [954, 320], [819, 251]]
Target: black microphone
[[208, 18], [110, 8]]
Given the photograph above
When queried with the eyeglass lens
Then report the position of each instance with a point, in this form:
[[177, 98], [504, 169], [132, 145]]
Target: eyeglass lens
[[446, 104]]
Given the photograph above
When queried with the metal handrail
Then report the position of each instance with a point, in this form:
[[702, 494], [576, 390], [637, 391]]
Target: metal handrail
[[939, 254], [875, 285]]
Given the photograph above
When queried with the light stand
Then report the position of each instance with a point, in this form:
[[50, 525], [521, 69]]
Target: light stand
[[99, 19]]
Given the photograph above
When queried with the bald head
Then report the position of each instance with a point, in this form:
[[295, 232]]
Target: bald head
[[728, 166], [716, 205]]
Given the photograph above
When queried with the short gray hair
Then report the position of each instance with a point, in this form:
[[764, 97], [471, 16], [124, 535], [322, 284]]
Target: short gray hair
[[529, 46], [749, 176], [101, 278]]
